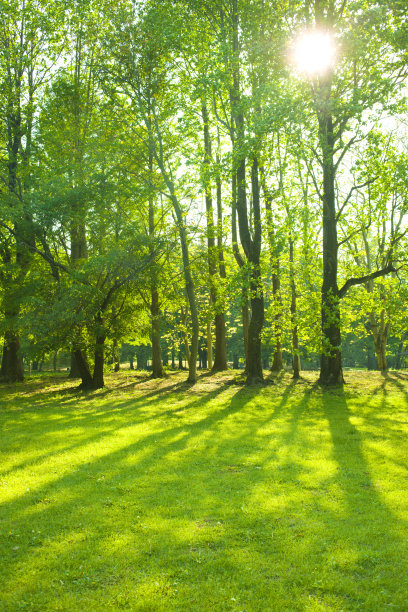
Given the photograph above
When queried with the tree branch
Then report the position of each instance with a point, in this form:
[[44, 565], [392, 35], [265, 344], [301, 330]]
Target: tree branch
[[351, 282]]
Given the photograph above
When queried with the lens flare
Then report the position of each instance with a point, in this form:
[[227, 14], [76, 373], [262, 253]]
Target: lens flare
[[314, 53]]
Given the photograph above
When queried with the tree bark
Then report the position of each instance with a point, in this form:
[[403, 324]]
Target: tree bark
[[86, 378], [214, 253], [209, 346], [11, 365], [331, 370], [100, 336], [116, 358], [157, 363], [250, 244], [293, 314]]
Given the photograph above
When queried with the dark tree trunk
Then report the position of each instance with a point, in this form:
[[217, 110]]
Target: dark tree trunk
[[74, 369], [97, 379], [54, 361], [331, 370], [84, 372], [241, 263], [251, 244], [11, 365], [131, 365]]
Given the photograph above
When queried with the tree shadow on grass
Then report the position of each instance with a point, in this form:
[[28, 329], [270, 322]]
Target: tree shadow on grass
[[219, 504]]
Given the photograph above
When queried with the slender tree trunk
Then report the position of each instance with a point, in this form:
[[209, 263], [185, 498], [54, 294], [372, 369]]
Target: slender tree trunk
[[116, 358], [209, 346], [54, 361], [220, 361], [277, 363], [379, 330], [157, 363], [293, 314]]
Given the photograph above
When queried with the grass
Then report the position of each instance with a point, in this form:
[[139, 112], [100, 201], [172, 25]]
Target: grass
[[156, 496]]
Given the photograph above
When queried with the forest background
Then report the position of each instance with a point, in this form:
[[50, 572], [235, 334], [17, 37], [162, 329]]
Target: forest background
[[170, 179]]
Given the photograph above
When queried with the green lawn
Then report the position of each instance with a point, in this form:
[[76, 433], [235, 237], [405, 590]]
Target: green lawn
[[158, 496]]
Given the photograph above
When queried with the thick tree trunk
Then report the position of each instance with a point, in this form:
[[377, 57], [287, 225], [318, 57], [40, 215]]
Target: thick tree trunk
[[11, 365], [97, 379], [84, 372], [241, 263], [331, 370]]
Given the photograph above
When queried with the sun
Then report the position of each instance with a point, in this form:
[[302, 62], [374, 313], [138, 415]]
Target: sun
[[314, 53]]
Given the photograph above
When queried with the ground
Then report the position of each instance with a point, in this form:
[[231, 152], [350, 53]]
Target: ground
[[158, 496]]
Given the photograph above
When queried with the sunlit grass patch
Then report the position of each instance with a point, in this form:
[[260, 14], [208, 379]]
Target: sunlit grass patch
[[160, 496]]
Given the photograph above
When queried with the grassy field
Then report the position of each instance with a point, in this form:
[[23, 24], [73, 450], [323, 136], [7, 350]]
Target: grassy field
[[156, 496]]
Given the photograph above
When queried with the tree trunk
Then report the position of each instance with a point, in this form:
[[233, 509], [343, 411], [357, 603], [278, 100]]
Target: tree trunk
[[11, 365], [209, 346], [116, 358], [252, 248], [293, 314], [97, 379], [380, 334], [157, 364], [251, 244], [331, 370], [54, 361], [214, 255], [84, 371]]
